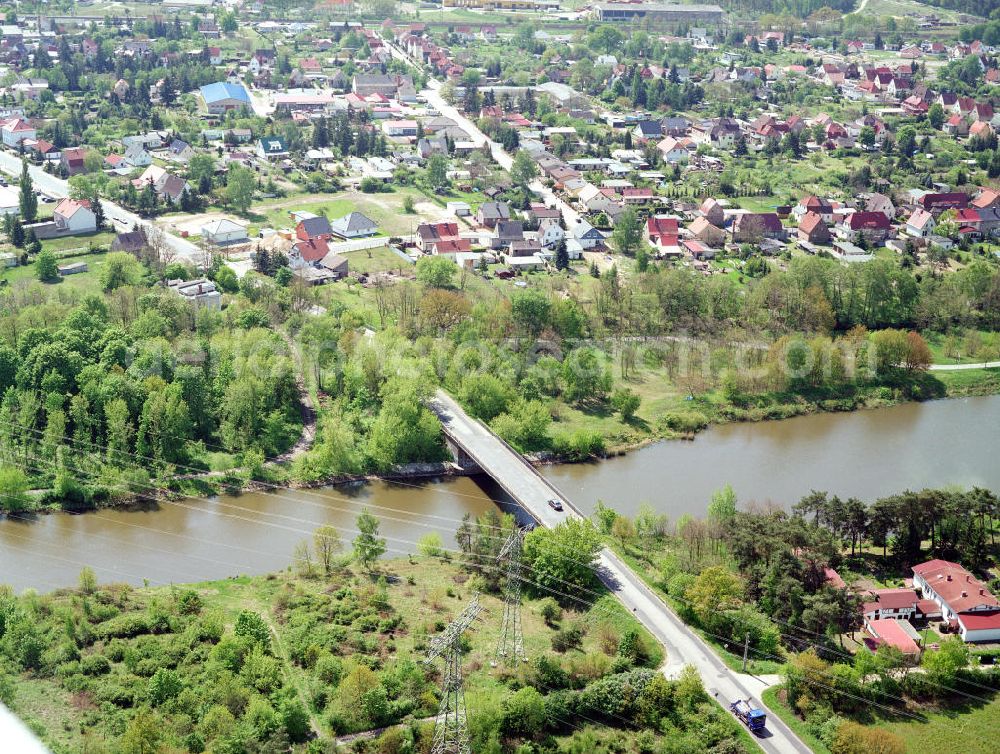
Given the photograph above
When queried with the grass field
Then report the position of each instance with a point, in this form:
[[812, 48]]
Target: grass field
[[907, 9], [84, 281]]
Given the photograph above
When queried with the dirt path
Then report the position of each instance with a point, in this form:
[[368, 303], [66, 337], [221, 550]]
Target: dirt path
[[364, 735], [306, 408]]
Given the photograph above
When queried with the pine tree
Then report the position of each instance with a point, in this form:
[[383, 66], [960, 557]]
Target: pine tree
[[98, 209], [17, 233], [562, 255]]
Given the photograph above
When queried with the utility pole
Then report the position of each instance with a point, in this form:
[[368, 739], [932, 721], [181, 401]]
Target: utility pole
[[510, 643], [451, 733], [746, 651]]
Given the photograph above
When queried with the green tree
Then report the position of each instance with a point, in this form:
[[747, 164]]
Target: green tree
[[14, 488], [906, 140], [563, 556], [626, 402], [430, 545], [530, 310], [714, 590], [524, 169], [436, 271], [368, 546], [163, 686], [241, 183], [46, 266], [437, 171], [935, 116], [585, 376], [120, 269], [326, 543], [723, 505], [627, 234], [27, 199], [252, 626]]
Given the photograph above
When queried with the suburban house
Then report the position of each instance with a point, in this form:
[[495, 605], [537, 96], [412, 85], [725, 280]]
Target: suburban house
[[223, 232], [899, 603], [429, 234], [15, 131], [304, 253], [881, 203], [874, 227], [272, 147], [335, 265], [966, 604], [938, 203], [201, 293], [586, 235], [750, 227], [72, 160], [180, 151], [132, 242], [661, 232], [354, 225], [311, 228], [506, 233], [490, 213], [920, 224], [223, 96], [817, 205], [550, 232], [813, 229], [674, 150], [709, 234], [712, 211], [74, 216], [136, 156]]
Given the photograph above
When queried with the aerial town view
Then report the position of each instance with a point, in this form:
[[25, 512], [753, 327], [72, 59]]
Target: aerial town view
[[499, 377]]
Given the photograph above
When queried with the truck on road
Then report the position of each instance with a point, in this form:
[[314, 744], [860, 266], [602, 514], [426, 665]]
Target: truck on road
[[755, 719]]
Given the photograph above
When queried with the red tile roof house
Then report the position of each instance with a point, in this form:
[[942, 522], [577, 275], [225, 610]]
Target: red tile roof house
[[813, 229], [873, 226], [891, 632], [305, 253], [751, 227], [965, 601], [72, 159], [661, 232], [891, 603], [937, 203], [430, 233]]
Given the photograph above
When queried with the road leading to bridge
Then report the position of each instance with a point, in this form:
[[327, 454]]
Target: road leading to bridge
[[532, 491]]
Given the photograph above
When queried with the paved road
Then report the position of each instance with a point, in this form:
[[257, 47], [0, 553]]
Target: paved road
[[960, 367], [433, 95], [521, 481], [121, 218]]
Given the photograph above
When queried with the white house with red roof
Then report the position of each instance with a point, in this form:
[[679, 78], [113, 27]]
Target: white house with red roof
[[662, 232], [74, 216], [965, 602], [15, 131]]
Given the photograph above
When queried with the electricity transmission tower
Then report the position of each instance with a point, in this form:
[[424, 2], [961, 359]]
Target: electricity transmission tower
[[451, 734], [510, 643]]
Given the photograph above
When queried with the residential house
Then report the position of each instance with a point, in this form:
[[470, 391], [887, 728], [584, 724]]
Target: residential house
[[724, 133], [490, 213], [751, 227], [74, 216], [451, 247], [180, 151], [966, 604], [430, 233], [637, 196], [136, 156], [224, 232], [986, 198], [893, 633], [550, 232], [881, 203], [813, 229], [223, 96], [506, 232], [336, 265], [354, 225], [708, 233], [200, 293], [47, 151], [920, 224], [675, 150], [874, 227], [132, 242], [586, 235], [817, 205], [15, 131], [72, 160], [938, 203], [662, 234], [647, 130], [712, 211], [311, 228], [272, 147], [593, 199], [307, 253]]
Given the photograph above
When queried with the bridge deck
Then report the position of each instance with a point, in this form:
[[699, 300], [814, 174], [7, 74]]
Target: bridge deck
[[532, 491]]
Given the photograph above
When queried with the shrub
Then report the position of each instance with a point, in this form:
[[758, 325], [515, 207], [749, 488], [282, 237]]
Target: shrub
[[567, 639], [95, 665]]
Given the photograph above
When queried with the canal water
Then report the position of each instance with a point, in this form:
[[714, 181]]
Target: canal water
[[866, 454]]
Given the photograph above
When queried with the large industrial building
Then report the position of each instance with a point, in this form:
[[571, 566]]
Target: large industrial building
[[659, 12]]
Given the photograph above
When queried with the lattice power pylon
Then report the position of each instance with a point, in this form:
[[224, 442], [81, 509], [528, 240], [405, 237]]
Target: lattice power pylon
[[510, 643], [451, 732]]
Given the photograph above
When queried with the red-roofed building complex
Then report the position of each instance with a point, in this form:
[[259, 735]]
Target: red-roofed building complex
[[965, 602]]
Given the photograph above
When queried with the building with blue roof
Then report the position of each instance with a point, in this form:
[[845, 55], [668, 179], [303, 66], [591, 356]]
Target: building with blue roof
[[223, 96]]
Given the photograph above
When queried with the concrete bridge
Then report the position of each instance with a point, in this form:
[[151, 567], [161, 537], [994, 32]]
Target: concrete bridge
[[474, 444]]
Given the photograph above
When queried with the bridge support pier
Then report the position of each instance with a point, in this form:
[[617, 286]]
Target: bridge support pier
[[462, 459]]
